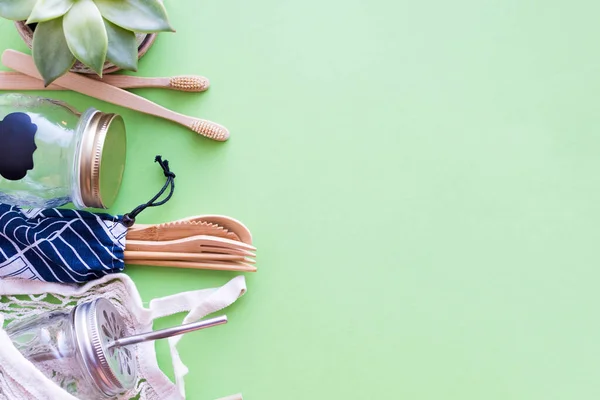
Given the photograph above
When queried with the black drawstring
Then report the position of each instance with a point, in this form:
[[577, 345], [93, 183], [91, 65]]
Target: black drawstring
[[129, 219]]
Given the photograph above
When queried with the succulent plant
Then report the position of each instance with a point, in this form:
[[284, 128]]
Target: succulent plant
[[91, 31]]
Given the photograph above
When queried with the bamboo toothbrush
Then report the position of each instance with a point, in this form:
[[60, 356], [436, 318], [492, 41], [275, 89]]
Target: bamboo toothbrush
[[190, 83], [184, 83], [23, 63]]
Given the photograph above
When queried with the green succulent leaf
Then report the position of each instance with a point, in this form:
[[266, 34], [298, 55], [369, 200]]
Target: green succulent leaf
[[17, 10], [145, 16], [86, 34], [51, 54], [122, 47], [46, 10]]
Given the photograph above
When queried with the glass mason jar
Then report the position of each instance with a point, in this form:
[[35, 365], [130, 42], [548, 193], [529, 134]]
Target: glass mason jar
[[73, 349], [50, 154]]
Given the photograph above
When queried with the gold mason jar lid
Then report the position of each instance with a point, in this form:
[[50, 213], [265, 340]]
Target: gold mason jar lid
[[101, 158]]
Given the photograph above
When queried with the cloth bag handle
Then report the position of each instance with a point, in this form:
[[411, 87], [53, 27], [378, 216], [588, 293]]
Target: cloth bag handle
[[198, 304]]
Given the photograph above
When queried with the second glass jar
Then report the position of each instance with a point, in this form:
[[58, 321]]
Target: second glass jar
[[73, 349]]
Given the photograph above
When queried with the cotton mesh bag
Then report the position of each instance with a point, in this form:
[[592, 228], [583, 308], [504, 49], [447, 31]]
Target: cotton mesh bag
[[23, 299]]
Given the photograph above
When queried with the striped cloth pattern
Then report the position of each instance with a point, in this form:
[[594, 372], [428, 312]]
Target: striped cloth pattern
[[58, 245]]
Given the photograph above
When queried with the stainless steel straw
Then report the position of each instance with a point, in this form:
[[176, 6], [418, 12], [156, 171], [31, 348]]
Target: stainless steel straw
[[169, 332]]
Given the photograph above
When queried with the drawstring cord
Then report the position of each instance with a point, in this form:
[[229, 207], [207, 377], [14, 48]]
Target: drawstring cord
[[129, 219]]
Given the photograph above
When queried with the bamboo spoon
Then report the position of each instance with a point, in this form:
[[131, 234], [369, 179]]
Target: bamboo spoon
[[11, 80], [240, 267], [23, 63]]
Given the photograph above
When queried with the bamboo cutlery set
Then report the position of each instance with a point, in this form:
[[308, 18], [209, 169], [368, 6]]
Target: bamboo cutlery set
[[210, 242]]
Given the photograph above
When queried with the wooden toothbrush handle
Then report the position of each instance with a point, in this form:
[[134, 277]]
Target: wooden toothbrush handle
[[23, 63], [10, 80]]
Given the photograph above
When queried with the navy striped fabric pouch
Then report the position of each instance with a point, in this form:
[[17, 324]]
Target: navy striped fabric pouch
[[68, 246], [59, 245]]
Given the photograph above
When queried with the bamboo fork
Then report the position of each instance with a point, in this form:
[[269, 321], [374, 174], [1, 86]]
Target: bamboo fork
[[23, 63], [11, 80], [222, 250]]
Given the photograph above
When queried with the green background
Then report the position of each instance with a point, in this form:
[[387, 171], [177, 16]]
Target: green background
[[421, 179]]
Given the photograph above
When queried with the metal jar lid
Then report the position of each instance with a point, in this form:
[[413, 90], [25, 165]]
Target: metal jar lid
[[101, 158], [97, 324]]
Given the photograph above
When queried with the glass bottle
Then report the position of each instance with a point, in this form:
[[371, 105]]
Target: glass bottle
[[50, 154], [73, 349]]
